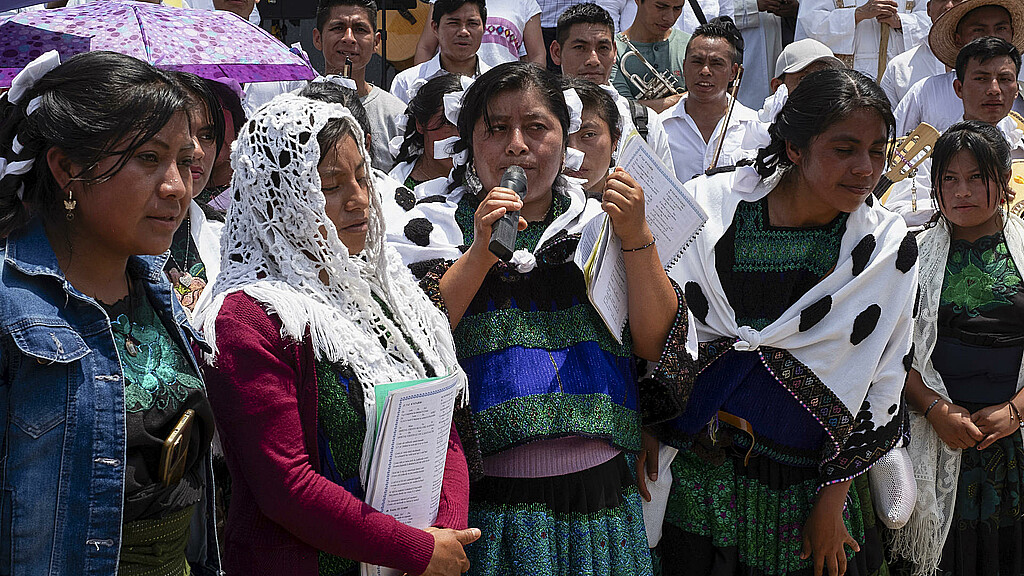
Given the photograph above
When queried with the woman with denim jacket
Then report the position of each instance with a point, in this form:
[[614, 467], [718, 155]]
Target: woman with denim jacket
[[105, 463]]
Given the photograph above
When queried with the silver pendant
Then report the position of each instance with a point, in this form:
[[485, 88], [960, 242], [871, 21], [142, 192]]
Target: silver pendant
[[130, 347], [185, 280]]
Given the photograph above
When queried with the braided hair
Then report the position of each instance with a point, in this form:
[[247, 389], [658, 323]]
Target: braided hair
[[429, 99], [820, 100], [94, 106]]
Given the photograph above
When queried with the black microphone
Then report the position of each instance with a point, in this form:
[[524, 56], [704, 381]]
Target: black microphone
[[503, 233]]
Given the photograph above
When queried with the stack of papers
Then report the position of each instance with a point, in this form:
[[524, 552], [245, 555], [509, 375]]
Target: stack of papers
[[414, 420], [673, 216]]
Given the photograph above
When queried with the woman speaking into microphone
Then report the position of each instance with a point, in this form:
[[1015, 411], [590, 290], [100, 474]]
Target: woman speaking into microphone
[[554, 396]]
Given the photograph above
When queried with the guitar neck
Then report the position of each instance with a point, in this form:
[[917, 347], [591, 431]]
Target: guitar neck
[[881, 187]]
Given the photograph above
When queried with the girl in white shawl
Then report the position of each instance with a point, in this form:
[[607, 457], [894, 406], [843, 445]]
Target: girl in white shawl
[[965, 384]]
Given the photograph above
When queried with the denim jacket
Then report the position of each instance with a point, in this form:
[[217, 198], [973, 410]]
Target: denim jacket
[[63, 445]]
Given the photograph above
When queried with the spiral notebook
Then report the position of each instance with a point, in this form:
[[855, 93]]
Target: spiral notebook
[[673, 216]]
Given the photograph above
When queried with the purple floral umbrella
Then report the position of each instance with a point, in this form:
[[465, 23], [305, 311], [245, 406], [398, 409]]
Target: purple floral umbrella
[[211, 44]]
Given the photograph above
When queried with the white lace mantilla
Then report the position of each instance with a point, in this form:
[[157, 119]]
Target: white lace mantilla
[[280, 248]]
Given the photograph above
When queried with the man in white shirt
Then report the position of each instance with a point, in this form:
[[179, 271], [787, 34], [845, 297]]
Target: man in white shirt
[[853, 29], [986, 82], [512, 32], [347, 29], [915, 64], [698, 135], [933, 99], [584, 48], [459, 27]]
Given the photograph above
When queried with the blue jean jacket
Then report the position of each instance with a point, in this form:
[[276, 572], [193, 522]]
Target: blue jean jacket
[[62, 445]]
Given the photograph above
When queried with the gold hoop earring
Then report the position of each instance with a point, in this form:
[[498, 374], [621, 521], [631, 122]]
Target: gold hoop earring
[[69, 206]]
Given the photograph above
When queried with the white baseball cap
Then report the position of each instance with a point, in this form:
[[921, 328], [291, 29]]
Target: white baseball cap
[[801, 54]]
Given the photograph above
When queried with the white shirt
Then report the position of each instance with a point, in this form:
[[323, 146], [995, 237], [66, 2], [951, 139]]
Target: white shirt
[[934, 101], [622, 12], [687, 21], [762, 38], [503, 39], [691, 155], [908, 69], [657, 138], [832, 22], [901, 198], [408, 82]]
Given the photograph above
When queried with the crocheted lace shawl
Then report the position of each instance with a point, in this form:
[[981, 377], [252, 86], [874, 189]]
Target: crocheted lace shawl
[[852, 330], [280, 247], [936, 465]]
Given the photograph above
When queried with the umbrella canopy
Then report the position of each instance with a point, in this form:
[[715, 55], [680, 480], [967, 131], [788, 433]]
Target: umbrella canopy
[[211, 44]]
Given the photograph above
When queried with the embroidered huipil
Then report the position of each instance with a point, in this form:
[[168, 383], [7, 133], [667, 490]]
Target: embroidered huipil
[[541, 363], [807, 335]]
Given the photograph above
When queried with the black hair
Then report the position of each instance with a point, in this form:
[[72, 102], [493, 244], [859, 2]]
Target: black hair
[[721, 27], [582, 13], [200, 93], [597, 99], [442, 7], [336, 128], [989, 148], [984, 49], [323, 11], [510, 76], [820, 100], [230, 101], [335, 94], [429, 99], [94, 106]]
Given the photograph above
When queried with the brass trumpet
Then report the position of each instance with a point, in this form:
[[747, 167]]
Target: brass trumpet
[[657, 86]]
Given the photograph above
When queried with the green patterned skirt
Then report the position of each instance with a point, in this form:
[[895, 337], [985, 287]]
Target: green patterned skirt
[[728, 519], [987, 536], [588, 523]]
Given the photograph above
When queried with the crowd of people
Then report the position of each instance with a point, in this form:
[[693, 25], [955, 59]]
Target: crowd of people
[[204, 282]]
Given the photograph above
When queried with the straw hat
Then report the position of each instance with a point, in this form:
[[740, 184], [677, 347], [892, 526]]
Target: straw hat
[[941, 39]]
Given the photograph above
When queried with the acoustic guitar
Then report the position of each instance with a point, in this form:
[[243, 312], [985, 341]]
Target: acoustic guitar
[[1017, 176], [402, 33], [908, 154]]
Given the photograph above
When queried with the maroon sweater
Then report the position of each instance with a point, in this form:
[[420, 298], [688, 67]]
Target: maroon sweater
[[264, 394]]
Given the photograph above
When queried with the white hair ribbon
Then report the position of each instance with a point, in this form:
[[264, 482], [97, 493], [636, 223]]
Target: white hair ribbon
[[755, 134], [773, 105], [1013, 134], [446, 149], [33, 105], [453, 106], [31, 74], [16, 146], [336, 79], [614, 94], [573, 159], [575, 105], [395, 144]]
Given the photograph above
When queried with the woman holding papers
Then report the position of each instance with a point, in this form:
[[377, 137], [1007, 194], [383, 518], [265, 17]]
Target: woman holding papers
[[800, 291], [309, 313], [554, 395]]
